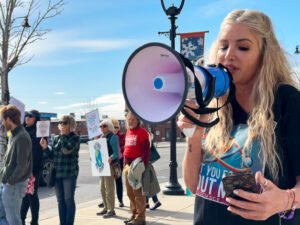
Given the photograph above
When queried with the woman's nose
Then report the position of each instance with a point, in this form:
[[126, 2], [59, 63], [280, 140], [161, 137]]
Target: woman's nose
[[230, 54]]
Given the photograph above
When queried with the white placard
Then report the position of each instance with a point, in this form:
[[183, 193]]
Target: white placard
[[43, 128], [20, 105], [99, 157], [93, 123]]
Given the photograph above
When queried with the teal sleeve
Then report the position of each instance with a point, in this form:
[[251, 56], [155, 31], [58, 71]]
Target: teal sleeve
[[114, 143]]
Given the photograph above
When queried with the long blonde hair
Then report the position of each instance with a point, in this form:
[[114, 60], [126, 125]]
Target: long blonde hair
[[273, 71]]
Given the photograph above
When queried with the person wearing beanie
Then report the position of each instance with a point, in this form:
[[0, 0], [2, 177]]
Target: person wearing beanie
[[31, 200], [107, 182]]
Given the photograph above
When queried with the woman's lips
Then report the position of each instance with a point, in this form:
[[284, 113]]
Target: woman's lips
[[231, 68]]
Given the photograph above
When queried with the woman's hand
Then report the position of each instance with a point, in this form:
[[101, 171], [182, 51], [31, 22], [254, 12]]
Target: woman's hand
[[260, 206], [44, 143], [184, 123]]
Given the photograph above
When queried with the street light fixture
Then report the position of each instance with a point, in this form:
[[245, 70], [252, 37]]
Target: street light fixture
[[173, 187], [25, 24], [297, 49]]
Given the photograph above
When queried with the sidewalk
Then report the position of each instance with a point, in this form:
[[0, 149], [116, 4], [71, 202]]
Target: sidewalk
[[174, 210]]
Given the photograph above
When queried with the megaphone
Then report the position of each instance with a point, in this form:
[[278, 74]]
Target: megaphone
[[157, 80]]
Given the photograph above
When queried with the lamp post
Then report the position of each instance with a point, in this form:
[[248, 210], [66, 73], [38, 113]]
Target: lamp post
[[297, 49], [173, 187]]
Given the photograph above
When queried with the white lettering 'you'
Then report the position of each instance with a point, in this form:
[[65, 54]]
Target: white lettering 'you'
[[131, 140]]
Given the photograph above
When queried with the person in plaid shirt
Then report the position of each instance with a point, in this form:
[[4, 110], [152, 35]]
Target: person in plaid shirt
[[64, 153]]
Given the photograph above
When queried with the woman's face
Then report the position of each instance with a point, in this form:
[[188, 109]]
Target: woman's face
[[117, 128], [64, 127], [239, 52], [29, 120], [104, 129]]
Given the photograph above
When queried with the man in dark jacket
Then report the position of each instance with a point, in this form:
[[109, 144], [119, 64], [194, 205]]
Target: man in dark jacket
[[17, 164], [31, 198]]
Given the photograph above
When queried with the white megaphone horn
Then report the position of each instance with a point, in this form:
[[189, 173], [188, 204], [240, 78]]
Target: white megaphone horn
[[156, 82]]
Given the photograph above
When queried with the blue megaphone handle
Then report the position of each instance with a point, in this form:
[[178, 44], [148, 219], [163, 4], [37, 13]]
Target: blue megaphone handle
[[221, 79], [231, 95], [211, 91]]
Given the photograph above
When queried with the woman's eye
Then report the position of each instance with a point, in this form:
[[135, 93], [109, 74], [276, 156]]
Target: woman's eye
[[223, 48], [244, 48]]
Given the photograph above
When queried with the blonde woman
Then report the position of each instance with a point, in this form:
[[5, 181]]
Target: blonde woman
[[119, 181], [258, 131], [108, 182], [65, 149]]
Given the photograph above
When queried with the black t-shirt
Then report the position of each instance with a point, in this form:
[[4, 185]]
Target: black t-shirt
[[210, 204]]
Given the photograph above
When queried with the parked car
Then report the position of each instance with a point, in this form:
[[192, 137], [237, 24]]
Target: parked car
[[84, 139]]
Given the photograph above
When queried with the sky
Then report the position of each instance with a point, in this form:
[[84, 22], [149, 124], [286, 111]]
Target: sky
[[79, 65]]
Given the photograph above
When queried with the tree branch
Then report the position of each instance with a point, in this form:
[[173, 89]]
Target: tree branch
[[14, 38], [51, 11]]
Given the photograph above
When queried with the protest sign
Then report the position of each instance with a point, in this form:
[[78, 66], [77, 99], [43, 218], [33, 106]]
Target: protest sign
[[93, 123], [43, 128], [99, 157]]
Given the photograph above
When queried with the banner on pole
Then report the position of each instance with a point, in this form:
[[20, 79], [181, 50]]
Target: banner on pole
[[192, 45]]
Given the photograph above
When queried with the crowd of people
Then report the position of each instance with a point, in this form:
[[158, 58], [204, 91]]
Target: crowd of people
[[22, 167]]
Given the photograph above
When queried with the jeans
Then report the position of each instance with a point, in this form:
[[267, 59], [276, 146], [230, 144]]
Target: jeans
[[12, 196], [33, 202], [3, 220], [65, 192], [119, 184]]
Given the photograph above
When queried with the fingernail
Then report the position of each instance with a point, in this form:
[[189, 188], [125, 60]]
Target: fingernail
[[229, 208], [228, 200], [236, 192]]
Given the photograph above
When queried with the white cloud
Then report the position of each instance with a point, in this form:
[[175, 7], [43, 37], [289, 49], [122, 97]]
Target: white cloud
[[60, 41], [100, 45], [43, 102], [109, 98], [72, 106], [111, 105], [59, 93], [53, 62]]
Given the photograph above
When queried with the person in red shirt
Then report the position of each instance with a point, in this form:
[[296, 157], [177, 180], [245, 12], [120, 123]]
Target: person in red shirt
[[136, 145]]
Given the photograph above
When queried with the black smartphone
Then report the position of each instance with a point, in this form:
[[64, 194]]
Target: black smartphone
[[243, 180]]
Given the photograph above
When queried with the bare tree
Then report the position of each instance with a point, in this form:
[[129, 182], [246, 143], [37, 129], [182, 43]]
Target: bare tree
[[16, 36]]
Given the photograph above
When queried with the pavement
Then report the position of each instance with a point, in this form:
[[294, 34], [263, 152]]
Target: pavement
[[174, 210]]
